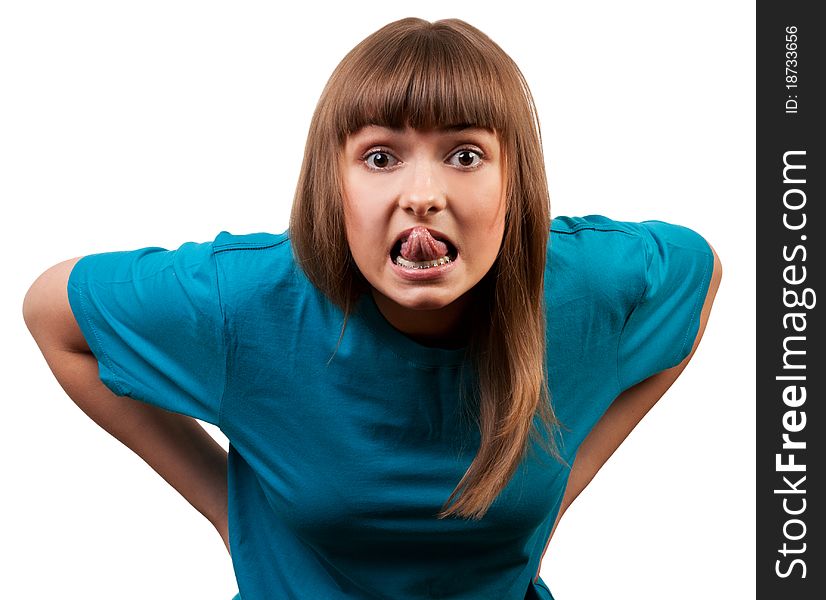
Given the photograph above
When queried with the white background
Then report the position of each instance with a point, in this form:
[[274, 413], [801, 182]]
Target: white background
[[125, 125]]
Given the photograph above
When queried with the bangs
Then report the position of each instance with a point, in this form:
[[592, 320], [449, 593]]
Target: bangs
[[426, 79]]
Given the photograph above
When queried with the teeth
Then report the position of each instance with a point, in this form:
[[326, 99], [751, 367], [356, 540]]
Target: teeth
[[410, 264]]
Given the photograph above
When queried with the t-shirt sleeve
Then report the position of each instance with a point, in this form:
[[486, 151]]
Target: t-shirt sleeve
[[675, 265], [153, 319]]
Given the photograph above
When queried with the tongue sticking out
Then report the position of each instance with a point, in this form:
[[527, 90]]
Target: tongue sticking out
[[421, 246]]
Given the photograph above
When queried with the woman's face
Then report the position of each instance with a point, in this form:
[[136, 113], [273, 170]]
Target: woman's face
[[448, 181]]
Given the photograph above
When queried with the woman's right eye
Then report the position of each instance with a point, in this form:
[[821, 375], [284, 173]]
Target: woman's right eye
[[382, 160]]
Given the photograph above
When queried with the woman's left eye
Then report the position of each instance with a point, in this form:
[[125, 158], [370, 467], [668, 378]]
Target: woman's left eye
[[468, 154]]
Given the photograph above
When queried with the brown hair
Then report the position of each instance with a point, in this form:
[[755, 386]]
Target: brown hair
[[428, 75]]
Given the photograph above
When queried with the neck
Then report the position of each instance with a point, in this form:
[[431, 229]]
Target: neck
[[446, 327]]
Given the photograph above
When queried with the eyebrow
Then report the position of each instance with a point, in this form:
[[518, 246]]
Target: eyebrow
[[460, 127]]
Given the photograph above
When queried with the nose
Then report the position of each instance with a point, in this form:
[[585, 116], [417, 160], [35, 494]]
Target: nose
[[424, 193]]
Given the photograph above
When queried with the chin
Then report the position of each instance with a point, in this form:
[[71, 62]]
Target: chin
[[424, 300], [417, 299]]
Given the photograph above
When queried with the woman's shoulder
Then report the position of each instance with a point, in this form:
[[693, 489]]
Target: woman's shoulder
[[593, 244], [226, 241], [603, 242], [596, 257], [599, 229], [255, 263], [566, 225], [622, 264]]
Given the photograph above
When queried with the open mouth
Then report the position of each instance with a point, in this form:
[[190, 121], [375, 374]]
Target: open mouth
[[395, 251]]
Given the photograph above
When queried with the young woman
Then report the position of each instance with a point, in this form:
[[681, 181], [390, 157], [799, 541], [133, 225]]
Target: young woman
[[421, 373]]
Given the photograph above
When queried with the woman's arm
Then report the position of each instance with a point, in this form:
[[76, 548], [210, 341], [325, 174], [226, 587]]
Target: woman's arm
[[626, 411], [174, 445]]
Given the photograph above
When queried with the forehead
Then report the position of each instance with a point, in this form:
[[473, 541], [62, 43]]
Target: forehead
[[372, 129]]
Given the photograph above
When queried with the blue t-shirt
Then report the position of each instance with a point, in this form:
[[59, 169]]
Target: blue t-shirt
[[338, 467]]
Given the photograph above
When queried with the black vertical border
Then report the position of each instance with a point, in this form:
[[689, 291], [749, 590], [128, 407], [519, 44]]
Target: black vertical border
[[782, 255]]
